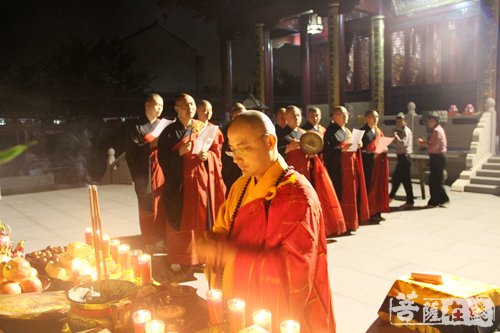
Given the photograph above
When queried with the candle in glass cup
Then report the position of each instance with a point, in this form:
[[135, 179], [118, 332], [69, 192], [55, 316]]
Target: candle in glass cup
[[124, 254], [236, 308], [144, 266], [155, 326], [140, 318], [290, 326], [263, 319], [214, 302], [134, 260], [88, 236], [113, 249]]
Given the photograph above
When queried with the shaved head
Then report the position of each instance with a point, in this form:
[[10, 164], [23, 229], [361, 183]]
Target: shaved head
[[252, 140], [256, 120]]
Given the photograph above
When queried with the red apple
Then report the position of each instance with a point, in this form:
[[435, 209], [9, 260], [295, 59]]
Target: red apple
[[8, 287], [32, 284]]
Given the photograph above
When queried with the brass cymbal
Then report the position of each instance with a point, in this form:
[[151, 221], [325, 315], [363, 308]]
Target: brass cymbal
[[311, 142]]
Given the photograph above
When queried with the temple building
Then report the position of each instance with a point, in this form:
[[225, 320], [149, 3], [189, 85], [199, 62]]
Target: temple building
[[393, 56]]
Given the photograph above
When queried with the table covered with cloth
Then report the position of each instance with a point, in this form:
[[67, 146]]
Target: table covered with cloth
[[456, 305]]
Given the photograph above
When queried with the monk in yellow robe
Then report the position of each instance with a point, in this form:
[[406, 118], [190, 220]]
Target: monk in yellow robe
[[270, 246]]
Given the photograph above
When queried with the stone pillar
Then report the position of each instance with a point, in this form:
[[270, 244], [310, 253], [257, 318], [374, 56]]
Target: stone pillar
[[377, 63], [226, 74], [305, 72], [259, 42], [334, 43], [488, 50]]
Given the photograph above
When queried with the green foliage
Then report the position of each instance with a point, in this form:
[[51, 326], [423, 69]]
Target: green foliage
[[9, 154]]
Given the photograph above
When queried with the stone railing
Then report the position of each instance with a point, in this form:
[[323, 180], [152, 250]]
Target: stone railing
[[117, 171], [482, 147]]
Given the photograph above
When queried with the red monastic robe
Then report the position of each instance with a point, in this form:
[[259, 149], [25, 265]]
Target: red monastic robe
[[281, 261], [314, 170], [354, 200], [142, 159], [203, 192], [378, 190]]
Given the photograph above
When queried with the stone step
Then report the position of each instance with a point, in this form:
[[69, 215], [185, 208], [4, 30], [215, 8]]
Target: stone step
[[491, 166], [481, 188], [489, 173], [485, 180], [494, 159]]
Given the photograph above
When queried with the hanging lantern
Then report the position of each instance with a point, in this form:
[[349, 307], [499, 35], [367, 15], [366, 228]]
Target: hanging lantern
[[315, 25]]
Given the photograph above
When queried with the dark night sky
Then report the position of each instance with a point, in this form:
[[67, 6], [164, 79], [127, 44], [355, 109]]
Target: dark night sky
[[33, 29]]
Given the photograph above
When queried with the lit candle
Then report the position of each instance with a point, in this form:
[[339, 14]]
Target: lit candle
[[113, 248], [140, 318], [88, 236], [105, 245], [236, 308], [144, 266], [124, 254], [262, 318], [155, 326], [290, 326], [214, 302], [76, 265], [134, 259]]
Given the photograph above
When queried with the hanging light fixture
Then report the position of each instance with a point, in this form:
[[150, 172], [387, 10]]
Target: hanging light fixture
[[315, 25]]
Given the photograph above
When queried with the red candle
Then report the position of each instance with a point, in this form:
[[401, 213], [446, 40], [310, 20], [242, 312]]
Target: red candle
[[140, 318], [144, 265], [105, 245], [236, 308], [124, 254], [134, 258], [75, 271], [88, 236], [214, 302], [113, 249]]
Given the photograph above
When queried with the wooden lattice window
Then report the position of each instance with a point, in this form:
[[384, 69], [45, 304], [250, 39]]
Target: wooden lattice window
[[415, 57], [435, 56], [357, 76], [397, 57]]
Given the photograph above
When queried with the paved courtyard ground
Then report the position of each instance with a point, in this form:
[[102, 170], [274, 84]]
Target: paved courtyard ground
[[463, 239]]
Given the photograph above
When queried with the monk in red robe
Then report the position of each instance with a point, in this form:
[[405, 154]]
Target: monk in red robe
[[194, 189], [376, 168], [313, 121], [271, 246], [142, 161], [346, 170], [204, 113], [313, 169]]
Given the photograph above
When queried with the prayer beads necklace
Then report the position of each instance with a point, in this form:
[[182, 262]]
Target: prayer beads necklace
[[242, 195]]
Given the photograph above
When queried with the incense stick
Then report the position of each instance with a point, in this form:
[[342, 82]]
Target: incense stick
[[95, 236], [101, 234]]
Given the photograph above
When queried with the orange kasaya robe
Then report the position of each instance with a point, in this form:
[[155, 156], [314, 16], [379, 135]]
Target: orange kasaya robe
[[142, 160], [314, 170], [378, 189], [194, 191], [281, 262]]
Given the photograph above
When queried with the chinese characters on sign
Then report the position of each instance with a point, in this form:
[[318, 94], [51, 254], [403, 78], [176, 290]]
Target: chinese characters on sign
[[474, 311]]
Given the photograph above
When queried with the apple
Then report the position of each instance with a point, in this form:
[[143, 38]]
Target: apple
[[32, 284], [17, 269], [8, 287]]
